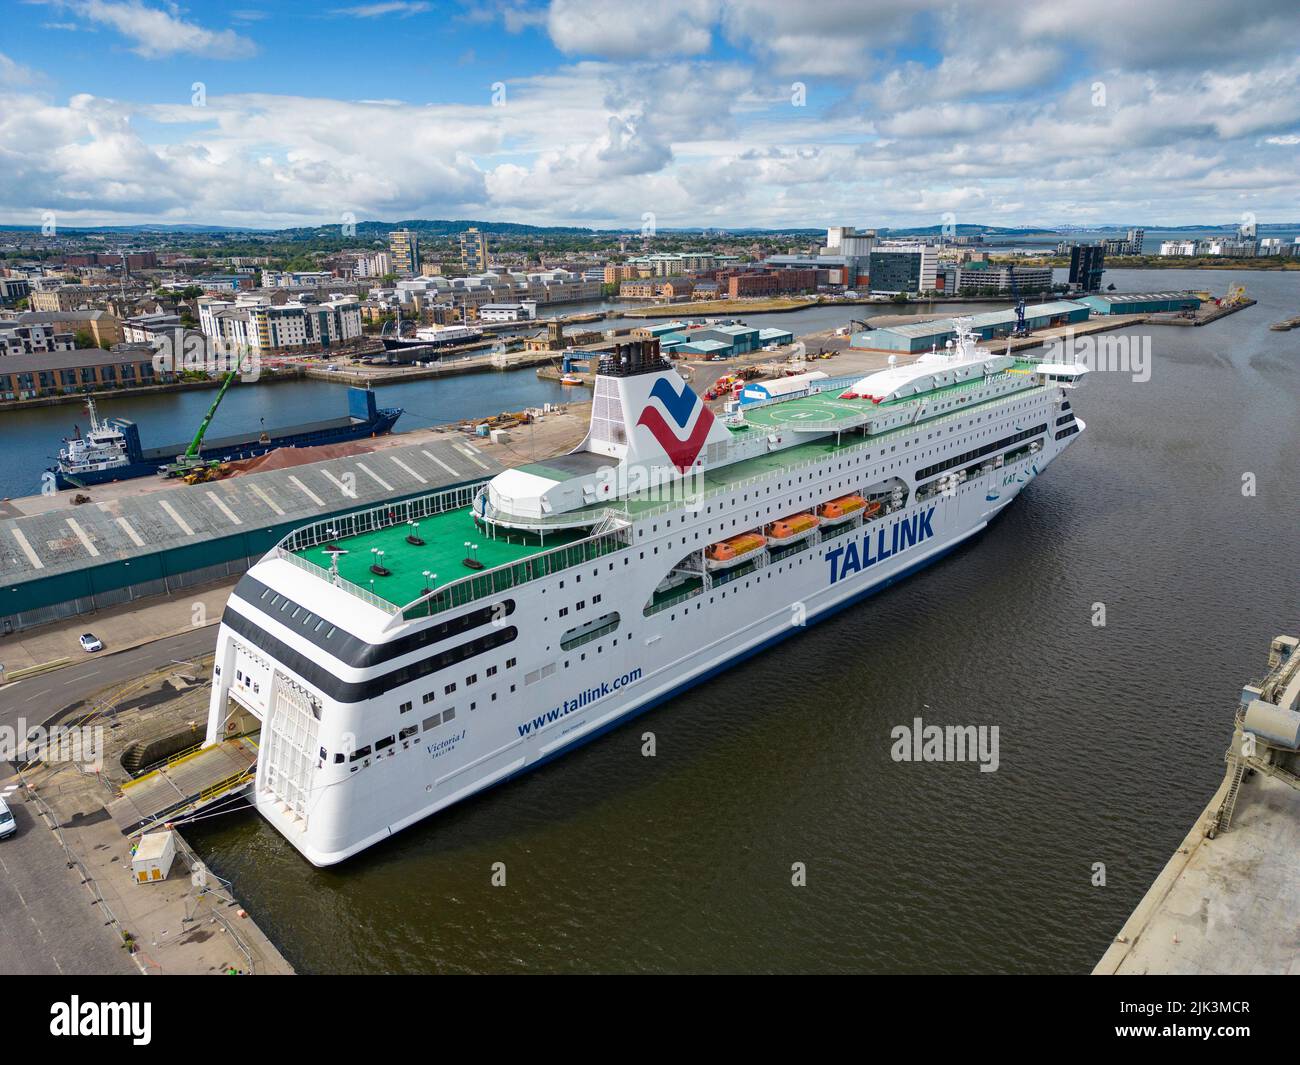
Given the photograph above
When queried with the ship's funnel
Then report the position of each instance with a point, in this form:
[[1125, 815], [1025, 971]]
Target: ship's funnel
[[645, 414]]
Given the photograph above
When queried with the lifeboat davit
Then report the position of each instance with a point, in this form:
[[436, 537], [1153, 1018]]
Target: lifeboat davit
[[733, 550], [845, 507], [788, 530]]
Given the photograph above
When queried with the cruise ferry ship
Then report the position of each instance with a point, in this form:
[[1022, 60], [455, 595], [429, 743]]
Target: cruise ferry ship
[[398, 660]]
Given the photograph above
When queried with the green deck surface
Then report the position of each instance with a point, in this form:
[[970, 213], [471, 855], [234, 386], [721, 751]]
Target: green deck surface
[[443, 553], [826, 411]]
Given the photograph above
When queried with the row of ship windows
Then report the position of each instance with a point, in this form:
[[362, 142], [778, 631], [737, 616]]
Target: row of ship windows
[[979, 452], [404, 737], [450, 687], [283, 603]]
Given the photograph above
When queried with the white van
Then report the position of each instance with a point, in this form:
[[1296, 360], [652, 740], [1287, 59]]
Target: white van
[[7, 825]]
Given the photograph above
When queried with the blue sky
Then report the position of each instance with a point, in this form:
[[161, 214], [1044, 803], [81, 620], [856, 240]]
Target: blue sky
[[752, 112]]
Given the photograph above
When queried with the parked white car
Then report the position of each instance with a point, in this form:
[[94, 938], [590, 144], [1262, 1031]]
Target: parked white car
[[7, 825], [91, 642]]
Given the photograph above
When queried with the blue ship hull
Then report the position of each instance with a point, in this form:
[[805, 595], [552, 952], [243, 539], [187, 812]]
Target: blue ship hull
[[365, 421]]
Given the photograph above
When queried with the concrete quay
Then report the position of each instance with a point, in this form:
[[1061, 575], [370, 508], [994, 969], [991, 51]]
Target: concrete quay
[[86, 913], [1225, 902]]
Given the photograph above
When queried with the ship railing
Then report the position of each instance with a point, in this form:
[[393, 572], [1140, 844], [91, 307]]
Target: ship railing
[[339, 582], [380, 517], [510, 575]]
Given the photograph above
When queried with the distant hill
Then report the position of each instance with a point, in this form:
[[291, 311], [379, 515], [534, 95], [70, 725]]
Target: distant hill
[[441, 227]]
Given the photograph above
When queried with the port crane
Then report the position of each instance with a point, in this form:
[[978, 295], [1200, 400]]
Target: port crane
[[1020, 330], [191, 464]]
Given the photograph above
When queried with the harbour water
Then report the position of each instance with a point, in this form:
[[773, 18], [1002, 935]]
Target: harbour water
[[32, 437], [1110, 737]]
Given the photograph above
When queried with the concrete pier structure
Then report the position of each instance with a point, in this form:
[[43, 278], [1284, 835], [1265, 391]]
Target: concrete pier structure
[[1225, 902]]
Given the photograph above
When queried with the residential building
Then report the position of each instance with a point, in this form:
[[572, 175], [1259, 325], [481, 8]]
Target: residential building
[[404, 247], [33, 338], [254, 323], [1087, 264], [12, 289], [62, 298], [619, 272], [1178, 247], [902, 268], [103, 328], [769, 282], [473, 251], [30, 376], [295, 278], [145, 328], [979, 277], [379, 264]]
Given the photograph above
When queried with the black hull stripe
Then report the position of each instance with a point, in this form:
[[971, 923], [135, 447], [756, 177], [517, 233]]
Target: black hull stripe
[[352, 650], [344, 691]]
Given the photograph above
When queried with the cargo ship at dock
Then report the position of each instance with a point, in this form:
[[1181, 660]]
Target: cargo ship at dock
[[111, 449], [394, 661]]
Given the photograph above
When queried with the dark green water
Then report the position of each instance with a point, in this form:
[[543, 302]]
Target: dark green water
[[1111, 738]]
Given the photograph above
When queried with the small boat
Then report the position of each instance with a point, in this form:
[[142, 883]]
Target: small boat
[[845, 507], [733, 550], [570, 379], [788, 530]]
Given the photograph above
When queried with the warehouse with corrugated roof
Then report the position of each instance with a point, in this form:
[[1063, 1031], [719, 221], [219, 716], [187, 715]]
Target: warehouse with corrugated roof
[[915, 337], [1141, 302], [76, 559]]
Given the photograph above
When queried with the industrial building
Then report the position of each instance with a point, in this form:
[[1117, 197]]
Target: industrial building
[[1141, 302], [914, 337], [72, 560], [719, 341]]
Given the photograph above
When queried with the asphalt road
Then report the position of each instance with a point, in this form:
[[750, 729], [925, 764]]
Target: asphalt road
[[36, 698], [49, 923]]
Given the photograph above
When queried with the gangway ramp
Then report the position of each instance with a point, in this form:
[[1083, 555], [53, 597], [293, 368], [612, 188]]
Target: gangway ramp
[[186, 784]]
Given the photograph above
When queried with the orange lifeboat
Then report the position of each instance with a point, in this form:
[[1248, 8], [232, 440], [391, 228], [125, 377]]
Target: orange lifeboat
[[733, 550], [846, 507], [787, 530]]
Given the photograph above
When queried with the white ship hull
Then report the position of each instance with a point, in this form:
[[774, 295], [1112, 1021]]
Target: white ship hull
[[530, 699]]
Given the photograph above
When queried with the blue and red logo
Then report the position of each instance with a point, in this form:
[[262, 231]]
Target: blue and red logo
[[683, 451]]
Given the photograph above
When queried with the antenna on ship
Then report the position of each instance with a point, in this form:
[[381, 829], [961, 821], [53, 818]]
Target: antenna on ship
[[334, 553]]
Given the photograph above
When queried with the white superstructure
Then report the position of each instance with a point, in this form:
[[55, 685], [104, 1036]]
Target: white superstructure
[[392, 670]]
